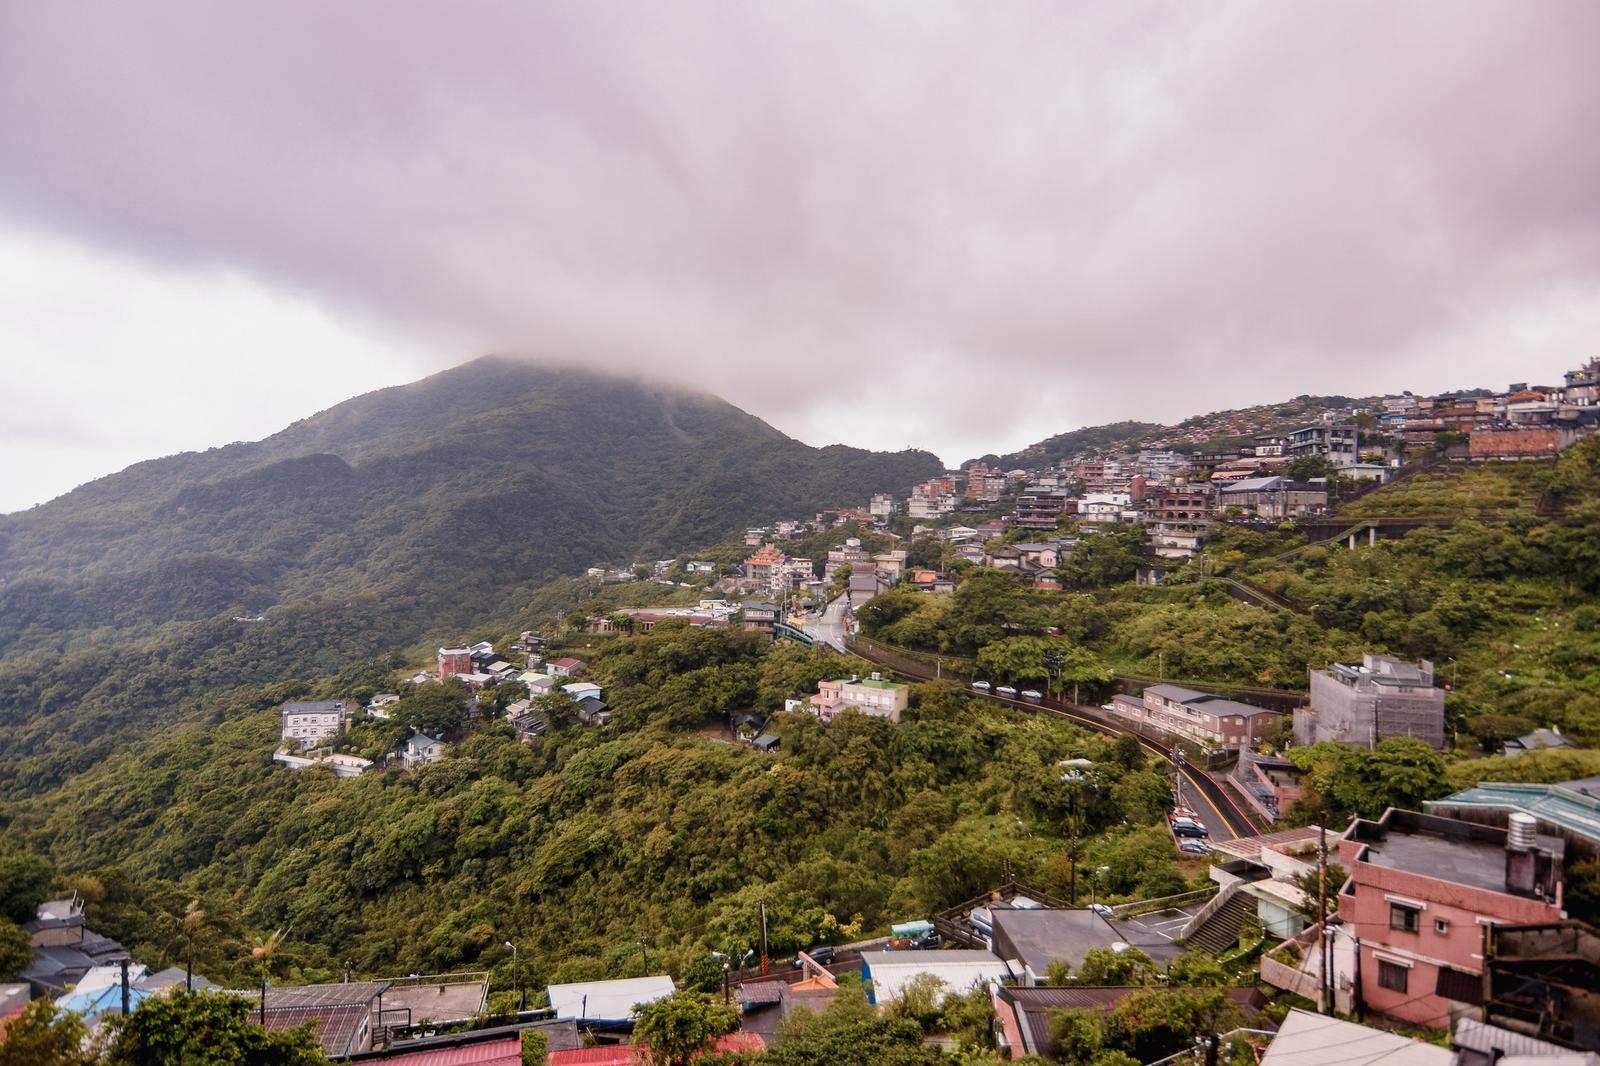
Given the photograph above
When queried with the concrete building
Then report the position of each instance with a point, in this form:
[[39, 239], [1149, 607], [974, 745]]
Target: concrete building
[[1207, 719], [1274, 497], [1421, 891], [1361, 705], [1177, 519], [958, 971], [872, 696], [307, 724], [454, 661]]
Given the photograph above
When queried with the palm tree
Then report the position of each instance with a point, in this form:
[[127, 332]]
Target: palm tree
[[264, 952], [195, 924]]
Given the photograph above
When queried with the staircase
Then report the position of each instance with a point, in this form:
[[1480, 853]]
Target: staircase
[[1218, 931]]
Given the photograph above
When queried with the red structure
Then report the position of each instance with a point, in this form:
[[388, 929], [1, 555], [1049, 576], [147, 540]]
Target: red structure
[[453, 661]]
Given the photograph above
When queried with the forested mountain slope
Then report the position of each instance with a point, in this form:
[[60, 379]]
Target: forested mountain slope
[[460, 488], [401, 515]]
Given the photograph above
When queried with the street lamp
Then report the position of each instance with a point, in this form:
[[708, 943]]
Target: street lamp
[[1094, 879], [516, 970]]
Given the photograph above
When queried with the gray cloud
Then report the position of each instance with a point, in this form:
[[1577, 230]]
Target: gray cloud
[[957, 226]]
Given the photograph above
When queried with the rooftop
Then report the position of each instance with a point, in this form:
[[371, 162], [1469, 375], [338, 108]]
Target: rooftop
[[1564, 806], [1045, 935], [1441, 848], [874, 682], [1307, 1039], [607, 1000], [1251, 847]]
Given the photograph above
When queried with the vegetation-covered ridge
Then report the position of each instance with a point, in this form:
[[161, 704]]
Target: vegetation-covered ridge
[[578, 847]]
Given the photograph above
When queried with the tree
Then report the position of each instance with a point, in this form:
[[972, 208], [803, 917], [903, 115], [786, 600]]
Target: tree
[[24, 882], [207, 1029], [1106, 966], [1491, 730], [433, 708], [1111, 557], [1154, 1023], [39, 1037], [16, 948], [682, 1026], [1308, 467], [1076, 1035], [1197, 970], [918, 1000]]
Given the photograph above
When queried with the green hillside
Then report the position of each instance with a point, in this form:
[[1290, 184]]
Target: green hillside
[[397, 516]]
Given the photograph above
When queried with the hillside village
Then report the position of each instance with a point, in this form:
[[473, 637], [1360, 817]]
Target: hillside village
[[1458, 916]]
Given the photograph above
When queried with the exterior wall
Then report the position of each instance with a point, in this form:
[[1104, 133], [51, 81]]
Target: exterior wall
[[307, 729], [1366, 712], [1514, 443], [453, 661], [1464, 910]]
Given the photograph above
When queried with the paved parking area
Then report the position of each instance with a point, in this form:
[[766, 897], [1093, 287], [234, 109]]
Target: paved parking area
[[1155, 932]]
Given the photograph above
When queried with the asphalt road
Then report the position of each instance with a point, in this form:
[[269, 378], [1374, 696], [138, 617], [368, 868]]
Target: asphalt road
[[830, 628]]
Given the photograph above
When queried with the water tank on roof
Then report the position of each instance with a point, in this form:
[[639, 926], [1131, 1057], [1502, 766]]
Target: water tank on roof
[[1521, 832]]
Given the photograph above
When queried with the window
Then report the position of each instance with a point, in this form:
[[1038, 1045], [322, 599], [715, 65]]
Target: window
[[1403, 918], [1441, 926], [1392, 975]]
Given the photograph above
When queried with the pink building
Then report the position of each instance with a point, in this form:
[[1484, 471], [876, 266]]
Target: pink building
[[1421, 891]]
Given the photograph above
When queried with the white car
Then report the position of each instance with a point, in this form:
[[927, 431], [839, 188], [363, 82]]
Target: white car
[[981, 686], [1032, 695], [1007, 691]]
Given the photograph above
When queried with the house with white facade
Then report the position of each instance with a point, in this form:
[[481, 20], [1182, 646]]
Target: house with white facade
[[310, 724]]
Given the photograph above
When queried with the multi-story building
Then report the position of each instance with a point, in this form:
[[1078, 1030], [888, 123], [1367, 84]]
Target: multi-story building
[[931, 506], [1274, 497], [1040, 508], [758, 567], [1177, 519], [1339, 444], [1106, 507], [1582, 386], [454, 661], [1361, 705], [308, 724], [1213, 721], [1421, 890], [881, 506], [850, 554]]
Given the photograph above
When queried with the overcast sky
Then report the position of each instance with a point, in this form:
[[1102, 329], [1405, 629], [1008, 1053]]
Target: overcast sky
[[961, 227]]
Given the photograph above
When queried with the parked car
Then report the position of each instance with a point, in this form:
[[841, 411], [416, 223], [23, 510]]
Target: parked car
[[1182, 812], [1102, 910], [1007, 691], [822, 955], [1032, 695], [981, 686], [1188, 827], [1194, 847], [927, 942]]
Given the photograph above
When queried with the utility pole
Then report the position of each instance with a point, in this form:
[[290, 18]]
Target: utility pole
[[126, 996], [763, 904], [1322, 917]]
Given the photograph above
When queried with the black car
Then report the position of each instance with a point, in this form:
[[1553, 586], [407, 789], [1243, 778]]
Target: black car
[[822, 955]]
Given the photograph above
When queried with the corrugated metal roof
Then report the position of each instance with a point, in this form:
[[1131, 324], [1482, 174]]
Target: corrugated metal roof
[[502, 1051]]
